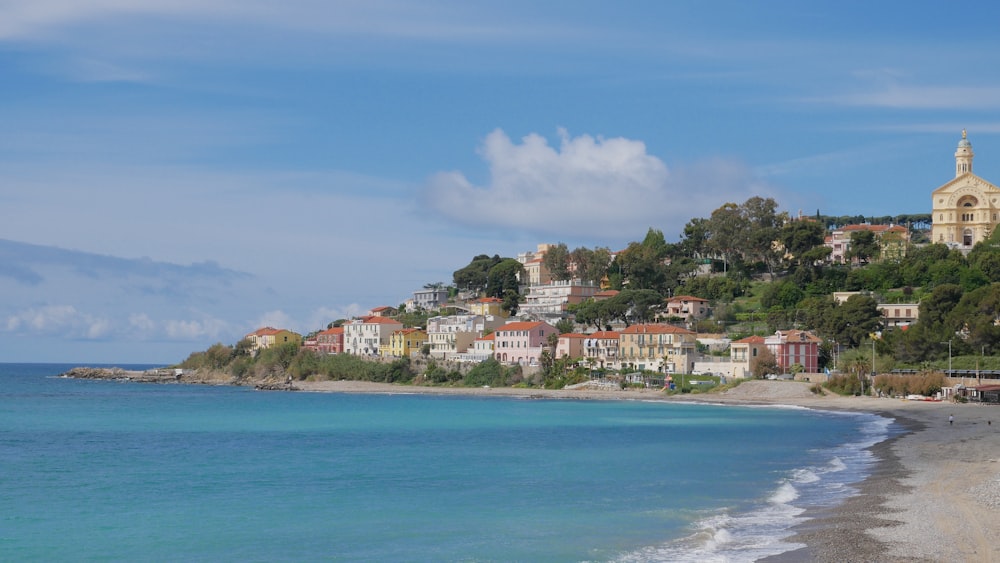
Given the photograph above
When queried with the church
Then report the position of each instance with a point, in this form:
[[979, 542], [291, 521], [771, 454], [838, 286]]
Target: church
[[965, 210]]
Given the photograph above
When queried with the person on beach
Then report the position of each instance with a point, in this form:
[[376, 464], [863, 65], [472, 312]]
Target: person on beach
[[951, 419]]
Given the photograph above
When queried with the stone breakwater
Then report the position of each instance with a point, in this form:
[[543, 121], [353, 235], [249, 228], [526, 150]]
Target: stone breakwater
[[168, 375], [119, 374]]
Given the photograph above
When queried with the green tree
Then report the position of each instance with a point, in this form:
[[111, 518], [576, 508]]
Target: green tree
[[800, 238], [565, 326], [556, 259], [864, 247], [474, 277]]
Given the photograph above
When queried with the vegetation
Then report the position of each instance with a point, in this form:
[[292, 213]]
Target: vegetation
[[762, 270]]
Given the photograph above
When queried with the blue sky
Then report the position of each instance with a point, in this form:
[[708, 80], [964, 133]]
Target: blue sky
[[175, 173]]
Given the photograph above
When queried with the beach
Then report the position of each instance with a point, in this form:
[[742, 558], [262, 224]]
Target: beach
[[934, 494]]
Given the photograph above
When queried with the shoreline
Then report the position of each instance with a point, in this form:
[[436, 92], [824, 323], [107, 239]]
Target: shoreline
[[933, 493]]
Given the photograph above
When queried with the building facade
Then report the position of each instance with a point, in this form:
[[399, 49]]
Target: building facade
[[966, 209], [368, 335], [657, 347], [268, 336], [522, 342]]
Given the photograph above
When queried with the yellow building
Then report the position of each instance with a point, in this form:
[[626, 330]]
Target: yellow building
[[966, 209], [405, 341], [657, 347], [268, 336], [487, 306]]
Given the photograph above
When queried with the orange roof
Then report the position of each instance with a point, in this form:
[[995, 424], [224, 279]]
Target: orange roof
[[334, 330], [487, 337], [380, 320], [605, 334], [409, 330], [607, 293], [488, 300], [266, 331], [655, 329], [750, 340], [798, 336], [573, 335]]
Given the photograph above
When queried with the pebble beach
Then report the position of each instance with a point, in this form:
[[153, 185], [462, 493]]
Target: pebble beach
[[933, 496]]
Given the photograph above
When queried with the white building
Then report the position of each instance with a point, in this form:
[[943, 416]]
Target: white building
[[365, 336]]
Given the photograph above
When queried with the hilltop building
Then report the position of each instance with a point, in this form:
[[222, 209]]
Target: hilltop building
[[966, 209], [269, 336]]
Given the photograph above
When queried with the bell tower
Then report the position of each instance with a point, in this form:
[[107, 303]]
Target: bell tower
[[963, 156]]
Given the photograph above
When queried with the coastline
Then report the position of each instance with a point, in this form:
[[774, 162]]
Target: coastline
[[933, 493]]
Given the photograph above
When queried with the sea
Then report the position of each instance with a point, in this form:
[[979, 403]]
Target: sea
[[115, 471]]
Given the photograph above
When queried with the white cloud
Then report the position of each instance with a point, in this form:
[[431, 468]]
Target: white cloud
[[586, 187], [325, 315], [196, 329], [58, 320], [142, 323]]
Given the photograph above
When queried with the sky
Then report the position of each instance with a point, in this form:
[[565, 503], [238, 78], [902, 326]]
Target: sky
[[176, 173]]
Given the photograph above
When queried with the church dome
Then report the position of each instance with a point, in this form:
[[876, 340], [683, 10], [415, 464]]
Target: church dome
[[964, 143]]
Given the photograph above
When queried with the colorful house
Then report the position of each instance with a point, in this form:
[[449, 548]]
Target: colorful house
[[522, 342], [329, 341], [406, 341], [487, 306], [743, 353], [570, 345], [792, 347], [657, 347], [268, 336], [367, 336], [600, 348], [687, 307]]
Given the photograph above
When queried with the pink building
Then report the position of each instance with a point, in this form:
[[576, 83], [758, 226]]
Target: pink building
[[792, 347], [521, 342], [687, 307], [570, 345], [329, 341]]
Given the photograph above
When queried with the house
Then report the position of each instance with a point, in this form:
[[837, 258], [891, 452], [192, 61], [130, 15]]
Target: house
[[522, 342], [743, 353], [687, 307], [406, 341], [367, 336], [430, 298], [329, 341], [487, 306], [600, 348], [657, 347], [482, 349], [792, 347], [550, 299], [454, 334], [570, 345], [268, 336], [535, 270], [383, 311], [898, 314], [605, 294], [893, 240]]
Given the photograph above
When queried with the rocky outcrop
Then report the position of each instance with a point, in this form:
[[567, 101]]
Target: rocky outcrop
[[119, 374]]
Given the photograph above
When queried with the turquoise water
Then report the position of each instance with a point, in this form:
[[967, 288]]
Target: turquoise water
[[96, 470]]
